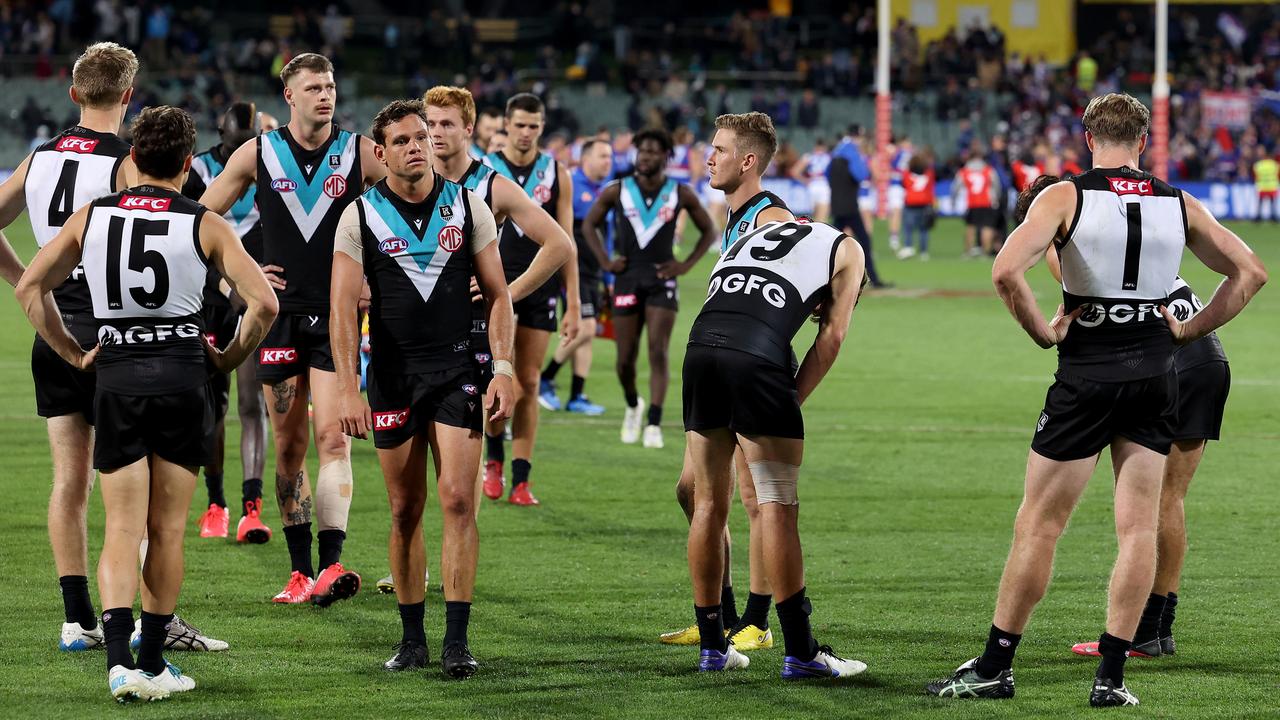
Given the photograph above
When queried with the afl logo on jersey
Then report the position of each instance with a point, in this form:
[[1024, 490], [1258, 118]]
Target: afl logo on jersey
[[1125, 186], [283, 185], [335, 186], [150, 204], [450, 238], [394, 245], [76, 144], [542, 194]]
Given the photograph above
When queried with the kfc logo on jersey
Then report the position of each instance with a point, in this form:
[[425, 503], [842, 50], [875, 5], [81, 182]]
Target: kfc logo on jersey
[[76, 144], [277, 356], [138, 202], [390, 420], [394, 245], [450, 238], [283, 185], [1125, 186], [624, 301], [335, 186], [542, 194]]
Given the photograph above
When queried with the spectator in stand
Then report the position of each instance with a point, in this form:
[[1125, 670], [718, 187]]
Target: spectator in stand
[[918, 214], [807, 112]]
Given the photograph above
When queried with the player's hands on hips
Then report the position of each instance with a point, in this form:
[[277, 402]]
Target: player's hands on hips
[[476, 295], [354, 414], [275, 276], [1060, 324], [498, 400], [1176, 327], [616, 265], [84, 363], [217, 358], [671, 269]]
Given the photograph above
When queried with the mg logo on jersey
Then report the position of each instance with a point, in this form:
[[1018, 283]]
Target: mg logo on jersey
[[665, 214], [390, 420], [76, 144], [283, 185], [1096, 314], [394, 245], [277, 356], [335, 186], [1124, 186], [450, 238], [748, 284], [542, 194], [137, 335], [138, 202]]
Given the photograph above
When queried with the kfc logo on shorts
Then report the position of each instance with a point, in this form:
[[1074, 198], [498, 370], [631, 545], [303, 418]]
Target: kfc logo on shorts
[[283, 185], [542, 194], [624, 301], [1124, 186], [277, 356], [470, 389], [390, 420], [137, 202], [394, 245], [76, 144], [450, 238], [335, 186]]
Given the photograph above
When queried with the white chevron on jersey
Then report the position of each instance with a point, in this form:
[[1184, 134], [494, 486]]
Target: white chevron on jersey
[[656, 216], [308, 221], [424, 279]]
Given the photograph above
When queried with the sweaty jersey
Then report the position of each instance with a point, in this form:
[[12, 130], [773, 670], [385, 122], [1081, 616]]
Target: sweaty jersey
[[1184, 304], [65, 174], [145, 270], [540, 181], [646, 225], [243, 215], [418, 259], [743, 220], [764, 288], [1119, 260], [301, 194]]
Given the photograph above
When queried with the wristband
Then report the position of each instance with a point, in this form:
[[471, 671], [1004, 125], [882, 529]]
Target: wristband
[[503, 367]]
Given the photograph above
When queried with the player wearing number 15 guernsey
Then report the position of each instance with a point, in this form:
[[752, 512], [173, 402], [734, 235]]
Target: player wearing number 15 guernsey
[[307, 173], [145, 255], [739, 391], [1121, 235]]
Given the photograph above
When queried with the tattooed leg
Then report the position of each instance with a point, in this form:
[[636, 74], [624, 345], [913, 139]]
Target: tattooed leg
[[293, 493], [287, 408]]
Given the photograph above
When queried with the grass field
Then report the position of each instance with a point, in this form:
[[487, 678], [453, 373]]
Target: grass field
[[913, 471]]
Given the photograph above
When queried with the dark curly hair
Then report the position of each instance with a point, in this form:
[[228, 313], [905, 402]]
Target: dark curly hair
[[163, 137], [658, 135], [1028, 196]]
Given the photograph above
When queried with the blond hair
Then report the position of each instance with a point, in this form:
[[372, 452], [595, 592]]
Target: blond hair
[[754, 133], [103, 74], [1117, 118], [447, 96], [314, 62]]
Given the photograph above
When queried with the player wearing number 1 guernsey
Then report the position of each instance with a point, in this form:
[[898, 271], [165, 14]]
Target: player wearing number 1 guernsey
[[1120, 234], [307, 173]]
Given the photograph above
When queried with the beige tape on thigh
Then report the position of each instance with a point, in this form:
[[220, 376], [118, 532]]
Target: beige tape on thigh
[[776, 482], [333, 495]]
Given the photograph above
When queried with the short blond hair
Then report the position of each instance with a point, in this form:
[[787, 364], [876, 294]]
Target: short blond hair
[[1117, 118], [315, 62], [447, 96], [755, 134], [103, 73]]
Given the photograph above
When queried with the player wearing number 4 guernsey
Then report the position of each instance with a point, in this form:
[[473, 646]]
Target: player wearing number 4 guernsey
[[146, 253], [307, 173], [1120, 238], [419, 239], [81, 164]]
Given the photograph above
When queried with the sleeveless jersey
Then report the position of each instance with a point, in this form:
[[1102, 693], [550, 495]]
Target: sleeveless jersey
[[417, 258], [145, 271], [1119, 261], [1184, 304], [479, 180], [301, 194], [540, 181], [646, 226], [65, 174], [243, 215], [743, 220], [765, 287]]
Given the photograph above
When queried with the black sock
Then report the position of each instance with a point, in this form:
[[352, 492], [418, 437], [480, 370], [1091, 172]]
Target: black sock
[[117, 626], [1113, 651], [457, 615], [213, 483], [757, 612], [729, 606], [998, 655], [519, 472], [711, 626], [151, 650], [577, 386], [1166, 619], [411, 620], [493, 447], [793, 616], [298, 538], [75, 601], [330, 546], [632, 398], [1149, 624], [250, 491], [655, 414], [552, 369]]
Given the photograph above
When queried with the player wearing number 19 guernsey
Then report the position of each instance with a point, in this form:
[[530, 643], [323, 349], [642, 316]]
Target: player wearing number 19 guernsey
[[307, 173], [1120, 235]]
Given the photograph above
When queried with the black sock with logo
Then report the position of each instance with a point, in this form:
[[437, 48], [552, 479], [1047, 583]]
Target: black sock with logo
[[998, 655], [711, 626]]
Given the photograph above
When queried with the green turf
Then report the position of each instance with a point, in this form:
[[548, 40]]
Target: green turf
[[916, 446]]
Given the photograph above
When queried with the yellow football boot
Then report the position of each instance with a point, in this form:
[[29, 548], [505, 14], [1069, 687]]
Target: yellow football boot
[[752, 638], [687, 636]]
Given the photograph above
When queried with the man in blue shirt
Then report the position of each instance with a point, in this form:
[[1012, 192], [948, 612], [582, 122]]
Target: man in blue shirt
[[846, 172], [589, 179]]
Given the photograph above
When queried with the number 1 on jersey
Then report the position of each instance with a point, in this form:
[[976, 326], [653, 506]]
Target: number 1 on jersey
[[1133, 246]]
